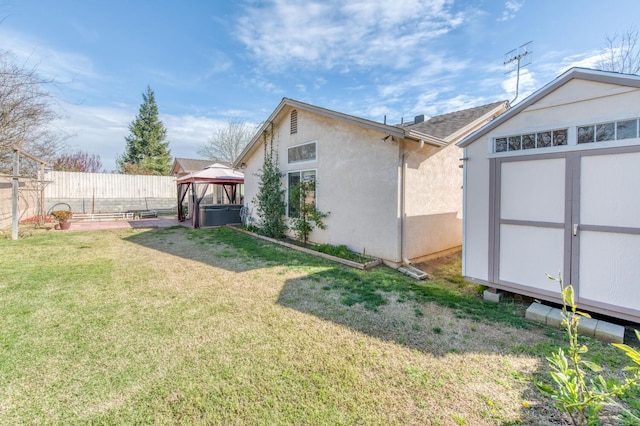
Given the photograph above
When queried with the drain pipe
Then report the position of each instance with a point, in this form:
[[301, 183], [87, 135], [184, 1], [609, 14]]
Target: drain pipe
[[405, 267]]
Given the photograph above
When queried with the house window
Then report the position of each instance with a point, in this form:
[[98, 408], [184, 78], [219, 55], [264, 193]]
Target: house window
[[293, 180], [531, 140], [615, 130], [304, 152], [294, 121]]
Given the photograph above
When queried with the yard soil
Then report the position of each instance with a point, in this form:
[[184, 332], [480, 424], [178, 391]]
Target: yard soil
[[432, 266]]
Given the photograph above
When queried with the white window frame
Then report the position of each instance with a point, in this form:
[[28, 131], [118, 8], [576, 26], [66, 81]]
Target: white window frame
[[315, 143], [572, 139], [615, 131], [315, 171], [534, 132]]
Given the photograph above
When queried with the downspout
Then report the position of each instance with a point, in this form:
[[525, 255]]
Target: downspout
[[405, 265]]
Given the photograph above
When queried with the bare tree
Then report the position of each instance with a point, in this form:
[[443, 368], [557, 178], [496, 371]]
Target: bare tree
[[26, 113], [622, 53], [226, 143], [78, 161]]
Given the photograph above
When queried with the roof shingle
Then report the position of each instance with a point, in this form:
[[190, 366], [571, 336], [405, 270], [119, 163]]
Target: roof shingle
[[444, 125]]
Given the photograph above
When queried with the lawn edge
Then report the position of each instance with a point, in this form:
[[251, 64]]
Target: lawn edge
[[350, 263]]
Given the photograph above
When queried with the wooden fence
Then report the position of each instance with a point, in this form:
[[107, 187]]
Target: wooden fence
[[108, 185], [107, 192]]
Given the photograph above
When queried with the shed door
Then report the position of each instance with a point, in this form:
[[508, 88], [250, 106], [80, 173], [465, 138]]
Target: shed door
[[574, 213], [606, 245], [531, 225]]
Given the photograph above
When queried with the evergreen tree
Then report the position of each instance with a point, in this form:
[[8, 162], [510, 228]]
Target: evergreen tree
[[146, 152]]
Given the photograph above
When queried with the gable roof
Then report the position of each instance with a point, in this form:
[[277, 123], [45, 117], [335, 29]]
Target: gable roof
[[608, 77], [398, 132], [445, 125], [188, 165]]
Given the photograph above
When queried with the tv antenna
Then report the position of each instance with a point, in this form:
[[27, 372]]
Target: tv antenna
[[521, 58]]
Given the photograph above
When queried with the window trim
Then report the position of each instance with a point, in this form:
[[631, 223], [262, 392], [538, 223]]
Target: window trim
[[521, 135], [314, 142], [594, 127], [315, 171]]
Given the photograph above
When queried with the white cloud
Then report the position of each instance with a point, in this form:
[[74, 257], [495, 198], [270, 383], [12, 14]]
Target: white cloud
[[340, 36], [511, 8], [586, 60], [53, 64], [527, 85]]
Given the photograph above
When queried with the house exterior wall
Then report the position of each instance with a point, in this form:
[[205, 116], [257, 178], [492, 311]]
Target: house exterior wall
[[357, 181], [433, 201], [494, 246]]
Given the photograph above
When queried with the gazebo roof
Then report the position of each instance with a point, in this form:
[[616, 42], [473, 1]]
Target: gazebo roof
[[215, 173]]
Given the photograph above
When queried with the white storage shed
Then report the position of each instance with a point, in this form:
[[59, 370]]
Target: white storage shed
[[553, 186]]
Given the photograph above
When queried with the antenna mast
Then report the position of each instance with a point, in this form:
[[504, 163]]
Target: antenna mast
[[522, 58]]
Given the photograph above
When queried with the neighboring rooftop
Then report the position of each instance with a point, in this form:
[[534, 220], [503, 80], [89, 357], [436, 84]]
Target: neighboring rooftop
[[183, 166], [444, 125]]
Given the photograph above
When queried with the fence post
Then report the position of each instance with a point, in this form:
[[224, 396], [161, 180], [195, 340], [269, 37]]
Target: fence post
[[14, 195]]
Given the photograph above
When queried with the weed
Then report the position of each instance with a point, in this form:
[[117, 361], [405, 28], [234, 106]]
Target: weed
[[577, 387]]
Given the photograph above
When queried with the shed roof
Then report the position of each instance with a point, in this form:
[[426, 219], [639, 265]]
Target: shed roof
[[608, 77]]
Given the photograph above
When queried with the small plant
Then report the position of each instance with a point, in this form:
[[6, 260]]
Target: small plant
[[306, 216], [62, 215], [341, 251], [252, 228], [574, 389]]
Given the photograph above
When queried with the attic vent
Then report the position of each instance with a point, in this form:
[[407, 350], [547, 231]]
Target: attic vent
[[419, 119], [294, 121]]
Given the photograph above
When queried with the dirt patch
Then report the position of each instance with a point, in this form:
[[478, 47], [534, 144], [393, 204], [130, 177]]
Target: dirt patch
[[433, 267]]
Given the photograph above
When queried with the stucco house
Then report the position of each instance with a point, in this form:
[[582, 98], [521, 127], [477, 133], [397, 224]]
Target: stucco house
[[393, 192], [551, 187]]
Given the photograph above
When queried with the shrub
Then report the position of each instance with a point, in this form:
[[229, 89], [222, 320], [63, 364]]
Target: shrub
[[306, 216], [574, 387]]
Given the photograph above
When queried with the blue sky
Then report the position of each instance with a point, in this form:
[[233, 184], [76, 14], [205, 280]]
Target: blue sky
[[209, 61]]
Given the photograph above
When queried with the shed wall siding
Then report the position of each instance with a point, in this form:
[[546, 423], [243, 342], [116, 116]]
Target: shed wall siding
[[574, 104], [476, 216]]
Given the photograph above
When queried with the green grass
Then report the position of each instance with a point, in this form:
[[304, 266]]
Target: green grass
[[179, 326], [369, 287], [342, 251]]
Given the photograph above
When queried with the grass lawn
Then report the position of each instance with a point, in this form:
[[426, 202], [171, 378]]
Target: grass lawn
[[176, 326]]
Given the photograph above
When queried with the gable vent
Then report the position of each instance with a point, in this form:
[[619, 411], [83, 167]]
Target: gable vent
[[294, 121]]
